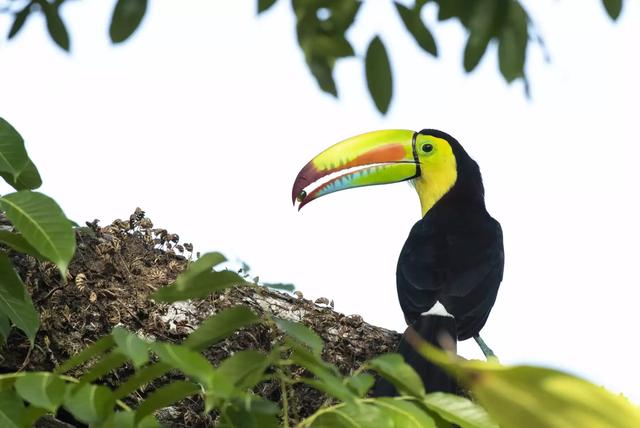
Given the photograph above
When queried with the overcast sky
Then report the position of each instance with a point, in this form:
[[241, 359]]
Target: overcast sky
[[206, 115]]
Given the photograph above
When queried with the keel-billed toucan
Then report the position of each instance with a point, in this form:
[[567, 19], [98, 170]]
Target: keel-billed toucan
[[451, 265]]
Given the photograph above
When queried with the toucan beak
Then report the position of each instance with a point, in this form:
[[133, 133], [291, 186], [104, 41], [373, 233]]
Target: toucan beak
[[378, 157]]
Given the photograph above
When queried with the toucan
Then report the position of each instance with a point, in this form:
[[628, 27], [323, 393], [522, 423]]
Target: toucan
[[452, 262]]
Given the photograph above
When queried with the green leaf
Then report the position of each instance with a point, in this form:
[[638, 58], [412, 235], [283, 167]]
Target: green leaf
[[354, 416], [98, 347], [110, 362], [393, 368], [13, 155], [244, 369], [459, 410], [12, 410], [55, 25], [448, 9], [613, 7], [132, 346], [361, 383], [28, 178], [5, 328], [404, 413], [140, 378], [205, 263], [199, 286], [414, 24], [42, 224], [18, 21], [513, 44], [264, 5], [126, 419], [321, 45], [481, 28], [302, 334], [378, 71], [8, 380], [254, 412], [165, 396], [126, 18], [279, 286], [322, 70], [42, 389], [90, 404], [15, 301], [220, 326], [188, 361], [18, 243]]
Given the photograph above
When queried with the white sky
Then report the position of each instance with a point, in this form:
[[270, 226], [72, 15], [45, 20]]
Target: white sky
[[206, 115]]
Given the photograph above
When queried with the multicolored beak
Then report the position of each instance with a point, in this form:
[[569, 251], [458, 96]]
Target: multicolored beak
[[378, 157]]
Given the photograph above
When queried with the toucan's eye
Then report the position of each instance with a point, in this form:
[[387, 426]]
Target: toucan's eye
[[427, 148]]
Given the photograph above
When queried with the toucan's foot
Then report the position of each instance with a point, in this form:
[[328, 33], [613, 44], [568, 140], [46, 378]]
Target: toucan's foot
[[488, 352]]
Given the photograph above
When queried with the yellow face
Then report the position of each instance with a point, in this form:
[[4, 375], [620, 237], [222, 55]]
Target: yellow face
[[438, 170]]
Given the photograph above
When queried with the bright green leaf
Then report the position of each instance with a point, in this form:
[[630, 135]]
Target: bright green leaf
[[220, 326], [361, 383], [378, 72], [42, 224], [354, 416], [393, 368], [55, 25], [132, 346], [28, 178], [13, 155], [404, 413], [98, 347], [126, 18], [42, 389], [126, 419], [18, 243], [199, 286], [90, 404], [15, 301], [613, 7], [205, 263], [302, 334], [188, 361], [459, 410], [244, 369], [414, 24], [264, 5], [165, 396], [253, 412], [12, 410]]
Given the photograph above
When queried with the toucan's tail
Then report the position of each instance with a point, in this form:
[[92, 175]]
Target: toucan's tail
[[432, 328]]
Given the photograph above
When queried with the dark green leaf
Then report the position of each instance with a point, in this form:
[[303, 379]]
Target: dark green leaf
[[220, 326], [41, 389], [188, 361], [11, 410], [244, 369], [55, 25], [90, 404], [42, 224], [404, 413], [18, 243], [18, 21], [126, 18], [393, 368], [452, 9], [240, 416], [613, 7], [361, 383], [413, 23], [279, 286], [513, 44], [343, 14], [324, 46], [301, 333], [15, 301], [140, 378], [264, 5], [132, 346], [13, 155], [199, 286], [5, 328], [481, 26], [354, 416], [28, 178], [459, 410], [378, 71], [322, 70], [98, 347], [165, 396], [474, 51]]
